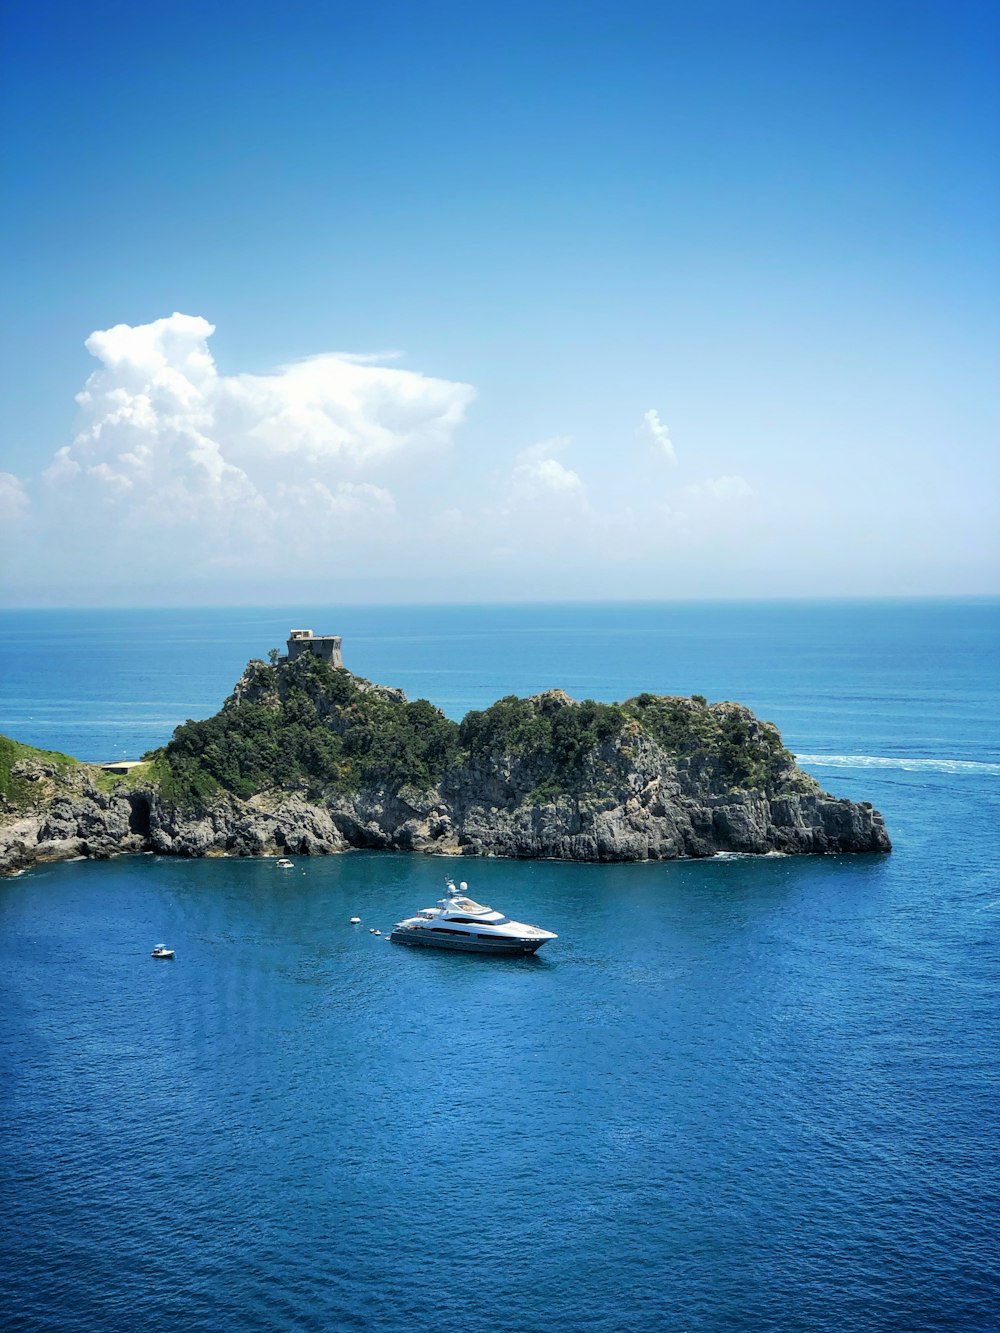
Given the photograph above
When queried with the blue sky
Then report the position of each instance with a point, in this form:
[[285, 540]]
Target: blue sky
[[691, 300]]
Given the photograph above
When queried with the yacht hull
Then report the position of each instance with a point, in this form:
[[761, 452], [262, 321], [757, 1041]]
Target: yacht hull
[[436, 939]]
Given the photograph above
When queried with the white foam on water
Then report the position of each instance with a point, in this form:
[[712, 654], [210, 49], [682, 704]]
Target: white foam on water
[[907, 765]]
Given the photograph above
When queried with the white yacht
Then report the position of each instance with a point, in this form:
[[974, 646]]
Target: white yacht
[[460, 923]]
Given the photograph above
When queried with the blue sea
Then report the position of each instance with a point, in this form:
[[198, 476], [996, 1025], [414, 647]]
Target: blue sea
[[733, 1095]]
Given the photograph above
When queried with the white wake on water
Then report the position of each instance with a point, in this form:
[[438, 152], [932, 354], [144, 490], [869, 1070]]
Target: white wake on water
[[908, 765]]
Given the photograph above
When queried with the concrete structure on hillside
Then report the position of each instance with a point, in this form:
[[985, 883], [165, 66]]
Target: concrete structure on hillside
[[326, 646]]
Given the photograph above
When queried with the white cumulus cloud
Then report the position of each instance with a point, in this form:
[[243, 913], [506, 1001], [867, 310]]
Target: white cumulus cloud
[[547, 475], [166, 438], [659, 435], [555, 444], [539, 476], [328, 477]]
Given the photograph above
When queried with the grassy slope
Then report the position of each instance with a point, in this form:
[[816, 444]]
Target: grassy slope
[[139, 776], [17, 791]]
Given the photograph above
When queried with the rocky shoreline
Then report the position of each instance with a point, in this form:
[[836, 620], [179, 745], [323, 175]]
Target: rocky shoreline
[[627, 798]]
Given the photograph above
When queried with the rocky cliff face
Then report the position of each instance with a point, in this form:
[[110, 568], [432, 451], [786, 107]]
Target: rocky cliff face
[[63, 814], [654, 779]]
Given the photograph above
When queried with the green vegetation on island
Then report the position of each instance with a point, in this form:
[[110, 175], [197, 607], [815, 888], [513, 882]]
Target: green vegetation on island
[[306, 725]]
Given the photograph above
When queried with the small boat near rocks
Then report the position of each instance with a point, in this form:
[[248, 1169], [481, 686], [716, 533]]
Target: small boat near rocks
[[285, 864]]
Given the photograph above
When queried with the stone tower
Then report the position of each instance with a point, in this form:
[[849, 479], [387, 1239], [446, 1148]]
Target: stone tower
[[326, 646]]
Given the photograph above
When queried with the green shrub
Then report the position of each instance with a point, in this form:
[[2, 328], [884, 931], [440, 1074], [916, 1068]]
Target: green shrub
[[553, 737], [307, 725]]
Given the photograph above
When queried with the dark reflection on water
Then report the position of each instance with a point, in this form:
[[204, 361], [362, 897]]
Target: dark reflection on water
[[745, 1093]]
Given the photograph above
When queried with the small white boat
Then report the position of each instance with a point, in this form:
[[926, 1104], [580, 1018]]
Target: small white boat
[[285, 864], [161, 951], [355, 921]]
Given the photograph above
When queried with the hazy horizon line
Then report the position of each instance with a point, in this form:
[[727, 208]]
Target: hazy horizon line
[[730, 600]]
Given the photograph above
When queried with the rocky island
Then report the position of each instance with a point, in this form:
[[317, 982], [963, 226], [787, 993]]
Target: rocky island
[[306, 758]]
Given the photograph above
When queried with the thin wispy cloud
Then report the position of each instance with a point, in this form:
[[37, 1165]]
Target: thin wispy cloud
[[345, 500], [13, 498], [721, 489], [555, 444], [659, 436]]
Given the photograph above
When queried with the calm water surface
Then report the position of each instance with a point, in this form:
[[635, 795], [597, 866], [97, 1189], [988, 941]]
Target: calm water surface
[[742, 1094]]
